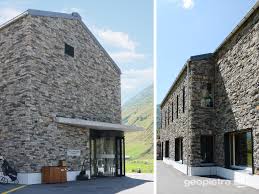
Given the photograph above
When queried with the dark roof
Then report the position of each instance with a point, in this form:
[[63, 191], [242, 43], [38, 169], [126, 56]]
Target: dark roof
[[73, 16], [201, 57]]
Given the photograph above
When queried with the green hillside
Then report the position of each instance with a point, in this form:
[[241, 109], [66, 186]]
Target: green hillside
[[139, 145]]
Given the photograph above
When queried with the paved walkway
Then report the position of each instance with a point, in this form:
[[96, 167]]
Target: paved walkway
[[130, 184], [170, 180]]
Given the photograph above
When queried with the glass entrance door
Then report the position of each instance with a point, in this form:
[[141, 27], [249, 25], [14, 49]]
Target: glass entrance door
[[103, 156], [107, 156]]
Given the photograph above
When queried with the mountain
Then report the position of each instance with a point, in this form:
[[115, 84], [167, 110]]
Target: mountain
[[139, 145]]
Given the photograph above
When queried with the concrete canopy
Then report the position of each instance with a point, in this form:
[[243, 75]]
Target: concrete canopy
[[97, 125]]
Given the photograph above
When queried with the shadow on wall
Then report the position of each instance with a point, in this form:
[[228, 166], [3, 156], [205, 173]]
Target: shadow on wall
[[225, 118]]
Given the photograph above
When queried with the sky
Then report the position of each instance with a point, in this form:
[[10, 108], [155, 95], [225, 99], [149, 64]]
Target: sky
[[124, 28], [191, 27]]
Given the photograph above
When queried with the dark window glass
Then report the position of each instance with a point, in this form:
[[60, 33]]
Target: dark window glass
[[241, 149], [69, 50], [161, 119], [177, 106], [165, 118], [166, 149], [172, 111], [168, 116], [179, 149], [183, 99], [209, 88], [206, 148]]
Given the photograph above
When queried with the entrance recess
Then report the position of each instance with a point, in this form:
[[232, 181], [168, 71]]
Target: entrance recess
[[107, 154]]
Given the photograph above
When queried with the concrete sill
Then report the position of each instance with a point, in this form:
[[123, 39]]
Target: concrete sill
[[242, 169]]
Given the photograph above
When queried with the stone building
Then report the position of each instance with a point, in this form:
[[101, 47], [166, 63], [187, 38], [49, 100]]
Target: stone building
[[210, 116], [60, 98]]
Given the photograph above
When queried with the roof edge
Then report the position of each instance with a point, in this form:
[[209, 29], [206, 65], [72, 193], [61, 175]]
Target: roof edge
[[192, 58], [35, 12], [238, 26], [174, 83], [73, 16], [23, 14]]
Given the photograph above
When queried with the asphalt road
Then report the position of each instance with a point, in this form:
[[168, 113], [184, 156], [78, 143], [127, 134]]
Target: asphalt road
[[171, 181], [130, 184]]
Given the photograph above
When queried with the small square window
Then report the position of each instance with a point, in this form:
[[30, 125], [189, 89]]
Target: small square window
[[69, 50]]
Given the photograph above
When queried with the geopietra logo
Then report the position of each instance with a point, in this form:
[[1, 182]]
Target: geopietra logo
[[206, 182]]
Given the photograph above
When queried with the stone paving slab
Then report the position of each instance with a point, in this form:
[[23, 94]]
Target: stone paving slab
[[170, 180]]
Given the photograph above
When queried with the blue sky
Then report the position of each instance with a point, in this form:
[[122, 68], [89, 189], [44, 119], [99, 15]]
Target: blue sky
[[191, 27], [124, 28]]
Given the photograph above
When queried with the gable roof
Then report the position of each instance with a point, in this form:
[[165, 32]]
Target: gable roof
[[72, 16]]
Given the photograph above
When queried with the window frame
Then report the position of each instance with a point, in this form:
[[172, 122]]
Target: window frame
[[183, 93], [69, 50], [172, 113], [206, 148], [177, 106], [178, 156]]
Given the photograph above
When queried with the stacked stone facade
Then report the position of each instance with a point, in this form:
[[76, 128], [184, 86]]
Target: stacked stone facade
[[233, 72], [173, 128], [237, 85], [39, 81]]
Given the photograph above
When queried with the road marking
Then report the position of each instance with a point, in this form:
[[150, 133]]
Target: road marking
[[14, 189]]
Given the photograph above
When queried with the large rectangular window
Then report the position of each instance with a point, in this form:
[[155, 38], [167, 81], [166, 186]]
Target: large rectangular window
[[241, 149], [179, 149], [167, 149], [207, 148], [177, 106]]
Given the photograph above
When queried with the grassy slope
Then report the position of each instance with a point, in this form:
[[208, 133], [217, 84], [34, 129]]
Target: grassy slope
[[139, 145]]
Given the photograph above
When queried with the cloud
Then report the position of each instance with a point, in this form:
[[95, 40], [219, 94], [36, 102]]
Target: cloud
[[126, 56], [116, 39], [126, 47], [187, 4], [132, 79], [8, 13]]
